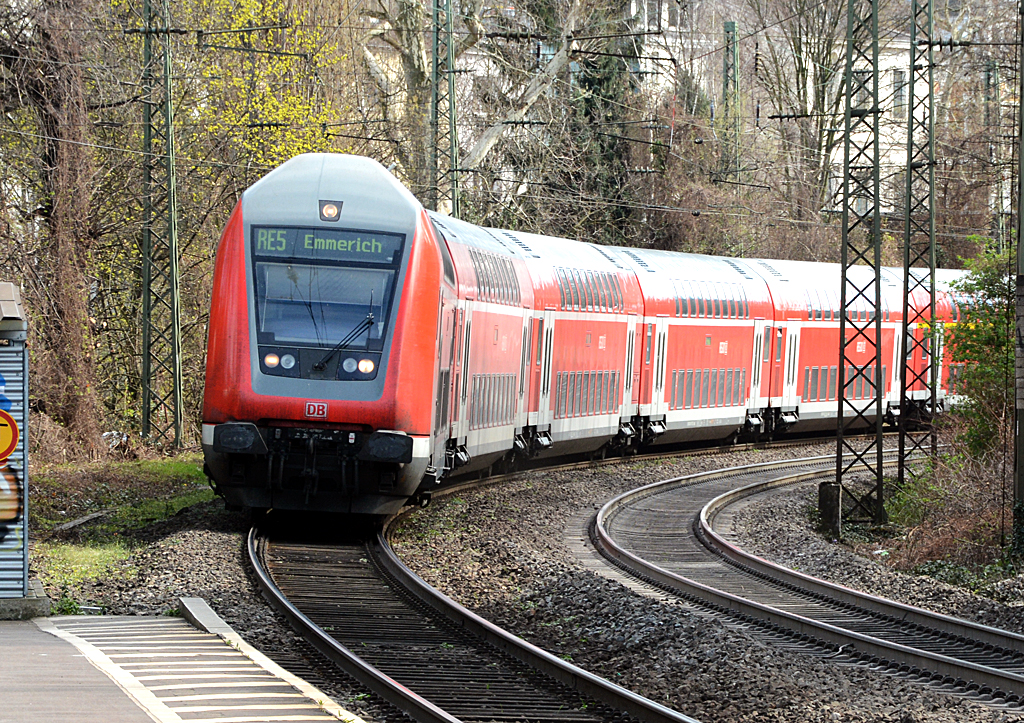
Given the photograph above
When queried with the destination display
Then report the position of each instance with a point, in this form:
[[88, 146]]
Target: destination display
[[326, 244]]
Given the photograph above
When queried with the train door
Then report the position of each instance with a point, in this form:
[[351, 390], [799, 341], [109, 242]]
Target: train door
[[462, 360], [790, 399], [543, 364], [631, 375], [525, 365], [755, 398], [446, 336], [764, 364], [659, 406], [537, 332], [778, 357]]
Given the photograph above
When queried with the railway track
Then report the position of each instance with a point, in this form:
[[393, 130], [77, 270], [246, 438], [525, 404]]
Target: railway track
[[665, 534], [420, 651]]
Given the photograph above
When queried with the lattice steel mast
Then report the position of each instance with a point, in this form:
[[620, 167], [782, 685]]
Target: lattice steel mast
[[920, 337], [162, 404], [731, 102], [860, 321], [444, 151]]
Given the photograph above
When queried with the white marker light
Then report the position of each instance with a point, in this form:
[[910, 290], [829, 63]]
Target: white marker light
[[329, 210], [366, 365], [272, 360], [349, 365], [287, 361]]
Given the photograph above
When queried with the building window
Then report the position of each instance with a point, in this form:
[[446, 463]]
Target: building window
[[899, 94]]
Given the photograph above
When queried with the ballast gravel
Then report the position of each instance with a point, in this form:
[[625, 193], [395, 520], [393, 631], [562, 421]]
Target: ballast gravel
[[504, 553]]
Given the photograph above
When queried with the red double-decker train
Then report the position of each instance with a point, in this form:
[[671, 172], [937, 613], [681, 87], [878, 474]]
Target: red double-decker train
[[361, 348]]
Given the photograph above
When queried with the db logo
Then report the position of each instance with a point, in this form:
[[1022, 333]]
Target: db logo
[[316, 410]]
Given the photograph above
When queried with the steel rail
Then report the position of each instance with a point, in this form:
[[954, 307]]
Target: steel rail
[[387, 688], [954, 626], [584, 682], [858, 645]]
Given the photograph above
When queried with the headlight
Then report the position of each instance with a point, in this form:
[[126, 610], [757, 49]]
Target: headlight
[[349, 365], [287, 361], [272, 360], [366, 365]]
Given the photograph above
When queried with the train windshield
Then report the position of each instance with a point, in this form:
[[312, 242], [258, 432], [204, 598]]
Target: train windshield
[[320, 288]]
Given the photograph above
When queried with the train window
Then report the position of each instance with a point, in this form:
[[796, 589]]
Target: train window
[[446, 256], [491, 279], [560, 277], [721, 387], [585, 395], [598, 292], [650, 333], [728, 388], [504, 288], [717, 303], [810, 305], [617, 288], [573, 290], [580, 294], [780, 343], [807, 384], [700, 302], [571, 402], [732, 301], [688, 389], [705, 378], [506, 283], [746, 304], [860, 387], [579, 395], [743, 387], [713, 401], [832, 383], [482, 279], [675, 380], [581, 280], [767, 344], [602, 287], [814, 383], [592, 394]]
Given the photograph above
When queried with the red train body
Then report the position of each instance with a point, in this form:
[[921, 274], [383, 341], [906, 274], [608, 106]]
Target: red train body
[[360, 348]]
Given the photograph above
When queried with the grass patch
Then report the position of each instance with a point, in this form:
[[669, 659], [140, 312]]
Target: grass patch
[[65, 566], [137, 516], [141, 491]]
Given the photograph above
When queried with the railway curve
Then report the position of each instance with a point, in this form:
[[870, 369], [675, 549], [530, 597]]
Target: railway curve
[[665, 533]]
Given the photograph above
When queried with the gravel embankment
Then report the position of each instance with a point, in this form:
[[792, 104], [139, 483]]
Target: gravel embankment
[[502, 553]]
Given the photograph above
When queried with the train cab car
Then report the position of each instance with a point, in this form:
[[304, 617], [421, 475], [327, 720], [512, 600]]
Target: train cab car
[[322, 348]]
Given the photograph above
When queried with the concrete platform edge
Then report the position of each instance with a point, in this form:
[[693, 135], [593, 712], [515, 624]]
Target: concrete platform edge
[[202, 616], [143, 697], [35, 605]]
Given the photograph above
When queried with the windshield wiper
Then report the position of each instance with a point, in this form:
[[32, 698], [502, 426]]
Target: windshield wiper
[[362, 326]]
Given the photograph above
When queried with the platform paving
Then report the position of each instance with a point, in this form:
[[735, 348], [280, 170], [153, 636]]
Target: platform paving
[[127, 669]]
